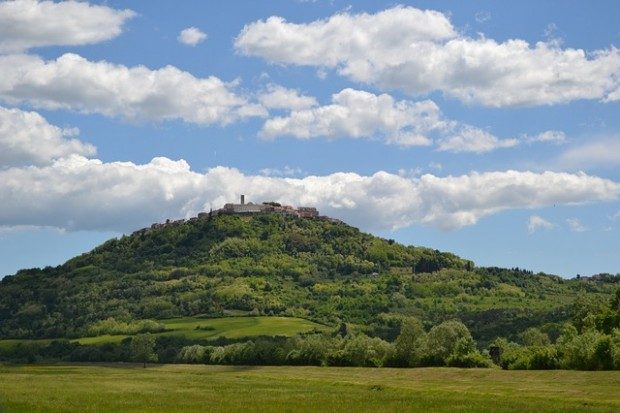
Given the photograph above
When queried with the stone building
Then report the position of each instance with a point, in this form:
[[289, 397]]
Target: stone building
[[269, 207]]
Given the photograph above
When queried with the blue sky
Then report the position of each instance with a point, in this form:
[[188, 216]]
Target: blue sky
[[489, 129]]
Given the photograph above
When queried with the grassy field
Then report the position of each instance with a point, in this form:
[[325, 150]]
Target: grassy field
[[183, 388], [229, 327], [211, 328]]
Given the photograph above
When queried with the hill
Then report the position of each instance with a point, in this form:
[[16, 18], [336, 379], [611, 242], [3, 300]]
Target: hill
[[269, 264], [190, 329]]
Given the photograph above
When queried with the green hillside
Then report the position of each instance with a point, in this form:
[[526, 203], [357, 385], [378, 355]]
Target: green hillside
[[315, 270], [200, 329]]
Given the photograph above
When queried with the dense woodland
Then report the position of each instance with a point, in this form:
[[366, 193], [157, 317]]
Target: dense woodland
[[386, 304]]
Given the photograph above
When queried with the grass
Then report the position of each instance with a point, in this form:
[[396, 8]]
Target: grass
[[228, 327], [210, 328], [184, 388]]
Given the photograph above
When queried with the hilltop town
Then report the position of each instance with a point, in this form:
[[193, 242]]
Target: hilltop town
[[269, 207], [250, 208]]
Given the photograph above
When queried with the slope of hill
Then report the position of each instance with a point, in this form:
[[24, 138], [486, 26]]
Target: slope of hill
[[267, 264], [191, 329]]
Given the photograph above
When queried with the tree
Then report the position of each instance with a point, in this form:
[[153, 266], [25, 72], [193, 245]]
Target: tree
[[143, 348], [609, 318], [442, 339], [583, 307], [465, 354], [194, 354], [362, 351], [409, 343], [534, 337]]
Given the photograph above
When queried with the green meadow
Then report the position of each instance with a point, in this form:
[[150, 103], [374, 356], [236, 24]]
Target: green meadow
[[196, 328], [200, 388]]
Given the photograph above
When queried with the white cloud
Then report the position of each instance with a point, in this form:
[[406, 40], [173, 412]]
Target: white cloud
[[286, 171], [27, 139], [536, 222], [613, 96], [192, 36], [594, 154], [78, 193], [28, 23], [555, 136], [615, 216], [133, 93], [483, 16], [435, 165], [420, 51], [575, 225], [411, 172], [279, 97], [359, 114], [471, 139], [550, 32]]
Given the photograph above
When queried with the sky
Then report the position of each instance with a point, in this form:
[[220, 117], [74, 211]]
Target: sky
[[488, 129]]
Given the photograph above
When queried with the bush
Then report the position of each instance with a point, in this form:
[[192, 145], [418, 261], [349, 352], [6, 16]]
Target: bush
[[474, 359], [515, 357], [311, 350], [578, 351], [465, 354], [235, 354], [195, 354], [534, 337], [361, 351], [543, 358]]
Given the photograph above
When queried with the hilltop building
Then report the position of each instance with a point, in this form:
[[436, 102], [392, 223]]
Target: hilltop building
[[269, 207], [244, 208]]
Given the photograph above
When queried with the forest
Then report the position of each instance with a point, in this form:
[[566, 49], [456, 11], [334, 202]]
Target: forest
[[381, 303]]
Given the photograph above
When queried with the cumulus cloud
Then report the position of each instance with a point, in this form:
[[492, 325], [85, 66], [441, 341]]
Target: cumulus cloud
[[600, 153], [575, 225], [471, 139], [536, 222], [613, 96], [554, 136], [419, 51], [133, 93], [79, 193], [28, 23], [359, 114], [286, 171], [26, 138], [279, 97], [192, 36]]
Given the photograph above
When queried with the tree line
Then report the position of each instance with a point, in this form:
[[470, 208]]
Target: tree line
[[590, 342]]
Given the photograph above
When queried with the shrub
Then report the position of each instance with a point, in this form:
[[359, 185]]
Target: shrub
[[195, 354], [474, 359], [235, 354], [361, 351], [465, 354], [311, 350], [543, 358]]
